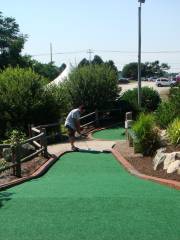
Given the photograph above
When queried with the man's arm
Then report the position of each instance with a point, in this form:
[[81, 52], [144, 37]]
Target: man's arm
[[78, 127]]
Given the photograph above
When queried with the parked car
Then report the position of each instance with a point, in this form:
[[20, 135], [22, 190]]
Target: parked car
[[162, 82], [152, 79], [123, 80]]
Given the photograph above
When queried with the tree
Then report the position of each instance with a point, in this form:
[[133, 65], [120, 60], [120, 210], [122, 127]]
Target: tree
[[94, 85], [111, 64], [156, 69], [148, 69], [11, 42], [97, 60], [83, 62], [131, 70], [48, 70], [25, 99]]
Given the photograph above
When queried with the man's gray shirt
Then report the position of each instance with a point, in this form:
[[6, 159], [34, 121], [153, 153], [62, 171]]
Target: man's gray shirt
[[72, 117]]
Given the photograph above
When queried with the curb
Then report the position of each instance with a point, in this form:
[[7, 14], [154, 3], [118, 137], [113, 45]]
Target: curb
[[133, 171]]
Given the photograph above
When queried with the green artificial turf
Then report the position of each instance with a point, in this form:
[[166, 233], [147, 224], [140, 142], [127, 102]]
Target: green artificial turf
[[89, 196], [115, 133]]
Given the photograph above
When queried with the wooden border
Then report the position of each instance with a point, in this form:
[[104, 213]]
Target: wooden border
[[38, 173]]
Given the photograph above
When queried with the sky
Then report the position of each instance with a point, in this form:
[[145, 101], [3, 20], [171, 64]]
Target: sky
[[109, 28]]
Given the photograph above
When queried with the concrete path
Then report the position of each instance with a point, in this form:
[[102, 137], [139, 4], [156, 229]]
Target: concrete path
[[83, 144]]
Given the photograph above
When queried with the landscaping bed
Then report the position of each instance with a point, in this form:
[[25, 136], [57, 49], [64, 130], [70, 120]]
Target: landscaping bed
[[27, 169], [145, 164]]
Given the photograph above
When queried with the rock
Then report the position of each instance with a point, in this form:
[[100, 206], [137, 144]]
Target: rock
[[159, 158], [170, 157], [178, 155], [178, 171], [24, 150], [7, 154], [173, 166]]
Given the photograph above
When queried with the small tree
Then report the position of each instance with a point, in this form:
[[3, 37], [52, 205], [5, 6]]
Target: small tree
[[94, 85], [150, 99], [25, 99], [11, 42], [147, 134]]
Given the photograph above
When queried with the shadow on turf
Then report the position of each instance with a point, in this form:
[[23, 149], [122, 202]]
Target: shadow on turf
[[4, 197], [93, 151]]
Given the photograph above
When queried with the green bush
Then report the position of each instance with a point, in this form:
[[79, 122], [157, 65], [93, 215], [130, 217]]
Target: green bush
[[147, 134], [25, 99], [149, 103], [95, 86], [174, 131], [165, 114], [174, 98], [169, 110]]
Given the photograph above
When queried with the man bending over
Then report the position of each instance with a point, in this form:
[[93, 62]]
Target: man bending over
[[72, 124]]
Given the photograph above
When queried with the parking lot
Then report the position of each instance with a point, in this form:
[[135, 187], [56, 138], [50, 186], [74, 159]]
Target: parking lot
[[163, 91]]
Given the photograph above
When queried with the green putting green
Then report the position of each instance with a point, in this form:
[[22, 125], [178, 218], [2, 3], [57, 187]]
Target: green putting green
[[89, 196], [114, 133]]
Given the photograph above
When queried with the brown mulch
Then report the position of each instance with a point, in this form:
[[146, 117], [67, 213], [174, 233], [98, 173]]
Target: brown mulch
[[144, 164], [27, 169]]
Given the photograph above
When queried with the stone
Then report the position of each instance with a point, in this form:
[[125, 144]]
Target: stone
[[173, 166], [170, 157], [178, 171], [7, 154], [26, 149], [178, 155], [159, 158]]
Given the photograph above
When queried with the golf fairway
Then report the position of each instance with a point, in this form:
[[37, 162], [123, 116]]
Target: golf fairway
[[113, 133], [90, 197]]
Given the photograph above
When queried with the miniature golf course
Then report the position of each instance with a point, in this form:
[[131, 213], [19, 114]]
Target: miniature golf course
[[89, 196], [113, 133]]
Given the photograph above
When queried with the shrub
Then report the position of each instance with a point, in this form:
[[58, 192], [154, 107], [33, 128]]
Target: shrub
[[25, 99], [169, 110], [95, 86], [147, 134], [15, 137], [165, 114], [174, 131], [174, 98], [150, 99]]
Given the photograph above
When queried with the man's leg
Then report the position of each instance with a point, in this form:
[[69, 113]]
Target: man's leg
[[71, 134]]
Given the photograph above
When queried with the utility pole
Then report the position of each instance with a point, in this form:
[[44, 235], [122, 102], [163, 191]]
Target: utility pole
[[51, 60], [139, 53], [90, 52]]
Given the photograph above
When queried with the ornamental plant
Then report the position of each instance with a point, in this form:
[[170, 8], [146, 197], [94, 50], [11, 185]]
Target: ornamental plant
[[147, 134], [174, 131]]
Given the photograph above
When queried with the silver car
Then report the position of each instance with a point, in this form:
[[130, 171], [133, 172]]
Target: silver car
[[163, 82]]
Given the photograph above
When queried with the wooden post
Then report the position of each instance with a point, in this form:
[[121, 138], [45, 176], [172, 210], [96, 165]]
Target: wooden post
[[13, 160], [29, 130], [60, 129], [17, 160], [44, 142], [97, 118], [32, 132]]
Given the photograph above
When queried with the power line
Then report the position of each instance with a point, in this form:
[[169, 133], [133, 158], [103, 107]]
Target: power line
[[90, 51]]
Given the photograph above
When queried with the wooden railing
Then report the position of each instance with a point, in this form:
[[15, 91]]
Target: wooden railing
[[38, 141], [38, 138]]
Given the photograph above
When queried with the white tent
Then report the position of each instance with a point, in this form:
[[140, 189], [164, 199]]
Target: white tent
[[62, 76]]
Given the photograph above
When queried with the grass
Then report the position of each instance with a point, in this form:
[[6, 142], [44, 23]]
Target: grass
[[113, 133], [89, 196]]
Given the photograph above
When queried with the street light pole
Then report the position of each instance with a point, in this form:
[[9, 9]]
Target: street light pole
[[139, 52]]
